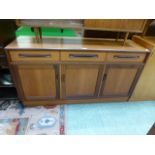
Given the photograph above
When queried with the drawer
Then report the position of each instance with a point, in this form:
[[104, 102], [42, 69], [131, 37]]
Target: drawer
[[125, 57], [83, 56], [34, 56]]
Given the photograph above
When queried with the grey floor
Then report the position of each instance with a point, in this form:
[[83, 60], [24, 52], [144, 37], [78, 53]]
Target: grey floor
[[126, 118]]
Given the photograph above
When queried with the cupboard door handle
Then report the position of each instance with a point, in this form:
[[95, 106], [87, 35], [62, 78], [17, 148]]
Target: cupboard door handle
[[104, 77], [125, 57], [83, 55], [57, 77], [63, 77], [35, 55]]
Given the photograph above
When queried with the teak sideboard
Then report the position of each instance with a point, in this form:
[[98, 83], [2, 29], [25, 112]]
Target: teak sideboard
[[75, 70]]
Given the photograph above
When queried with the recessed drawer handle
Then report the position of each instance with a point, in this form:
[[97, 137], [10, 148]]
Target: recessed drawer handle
[[83, 55], [35, 55], [125, 57]]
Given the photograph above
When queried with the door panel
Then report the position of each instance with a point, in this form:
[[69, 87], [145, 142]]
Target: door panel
[[38, 82], [118, 80], [80, 81]]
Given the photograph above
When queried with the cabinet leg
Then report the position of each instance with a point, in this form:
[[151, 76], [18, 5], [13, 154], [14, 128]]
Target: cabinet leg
[[36, 30], [126, 37], [40, 33]]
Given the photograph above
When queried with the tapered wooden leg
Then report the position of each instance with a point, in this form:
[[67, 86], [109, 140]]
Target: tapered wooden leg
[[36, 30], [126, 37], [40, 33]]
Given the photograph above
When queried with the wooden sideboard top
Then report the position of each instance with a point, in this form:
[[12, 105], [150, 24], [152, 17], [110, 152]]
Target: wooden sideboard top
[[70, 43], [145, 41], [150, 40]]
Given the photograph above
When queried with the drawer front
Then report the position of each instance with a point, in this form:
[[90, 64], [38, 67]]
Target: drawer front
[[83, 56], [34, 56], [125, 57]]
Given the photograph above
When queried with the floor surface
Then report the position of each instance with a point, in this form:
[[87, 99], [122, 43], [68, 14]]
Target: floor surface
[[15, 119], [126, 118]]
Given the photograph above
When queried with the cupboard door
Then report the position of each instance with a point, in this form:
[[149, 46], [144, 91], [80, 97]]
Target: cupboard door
[[37, 82], [119, 80], [80, 81]]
